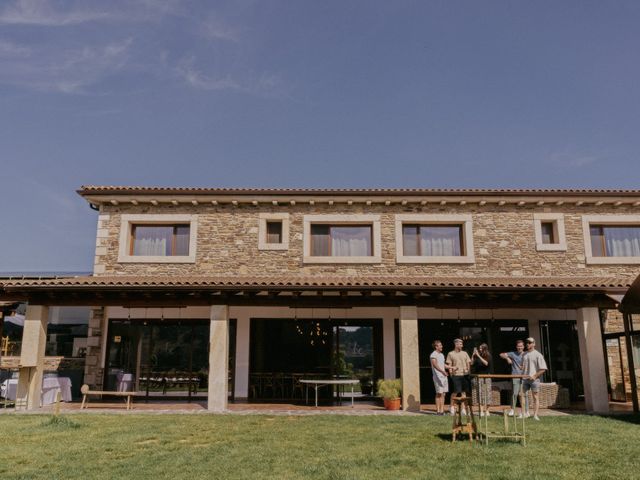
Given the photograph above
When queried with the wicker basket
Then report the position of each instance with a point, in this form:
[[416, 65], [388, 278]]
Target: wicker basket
[[495, 396], [552, 395]]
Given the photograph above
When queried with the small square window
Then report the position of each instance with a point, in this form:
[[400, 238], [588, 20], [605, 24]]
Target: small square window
[[549, 232], [549, 235], [274, 231]]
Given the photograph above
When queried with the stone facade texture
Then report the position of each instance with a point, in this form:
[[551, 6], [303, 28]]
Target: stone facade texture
[[227, 244], [93, 371]]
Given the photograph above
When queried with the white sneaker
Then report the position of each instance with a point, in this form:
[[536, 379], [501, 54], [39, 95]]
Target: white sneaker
[[536, 417], [510, 412], [527, 415], [488, 413], [464, 412], [452, 411], [482, 414]]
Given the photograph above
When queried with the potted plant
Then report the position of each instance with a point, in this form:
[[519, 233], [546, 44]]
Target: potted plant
[[390, 390], [366, 385]]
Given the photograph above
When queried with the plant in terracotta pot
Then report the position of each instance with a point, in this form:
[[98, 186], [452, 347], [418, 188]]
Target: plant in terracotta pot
[[390, 390]]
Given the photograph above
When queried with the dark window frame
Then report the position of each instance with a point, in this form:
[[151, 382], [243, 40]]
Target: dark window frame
[[175, 226], [601, 227], [417, 226], [329, 226]]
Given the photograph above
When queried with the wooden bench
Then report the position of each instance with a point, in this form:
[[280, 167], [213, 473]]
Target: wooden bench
[[86, 393]]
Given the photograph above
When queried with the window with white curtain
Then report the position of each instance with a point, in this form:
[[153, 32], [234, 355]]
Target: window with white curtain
[[615, 240], [432, 240], [159, 240], [341, 240]]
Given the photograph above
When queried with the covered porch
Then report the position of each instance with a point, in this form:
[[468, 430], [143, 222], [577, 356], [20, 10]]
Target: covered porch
[[242, 333]]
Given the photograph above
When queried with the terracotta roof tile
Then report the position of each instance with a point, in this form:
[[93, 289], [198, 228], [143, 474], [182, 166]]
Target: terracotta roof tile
[[305, 282], [130, 190]]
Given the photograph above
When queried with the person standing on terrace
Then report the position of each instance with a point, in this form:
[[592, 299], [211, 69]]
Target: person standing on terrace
[[459, 364], [440, 375], [482, 366], [533, 367], [515, 359]]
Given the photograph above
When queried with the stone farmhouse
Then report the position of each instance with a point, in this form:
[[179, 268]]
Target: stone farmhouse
[[234, 295]]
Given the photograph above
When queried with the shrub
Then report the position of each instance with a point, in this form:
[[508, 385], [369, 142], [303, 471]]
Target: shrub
[[390, 389]]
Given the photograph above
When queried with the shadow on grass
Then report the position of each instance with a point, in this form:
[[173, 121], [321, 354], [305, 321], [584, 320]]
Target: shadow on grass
[[633, 418]]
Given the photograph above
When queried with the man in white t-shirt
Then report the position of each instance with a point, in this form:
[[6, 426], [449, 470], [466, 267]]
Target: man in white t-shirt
[[533, 366], [440, 374]]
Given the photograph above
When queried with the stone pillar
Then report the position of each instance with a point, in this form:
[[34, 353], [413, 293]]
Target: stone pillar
[[592, 360], [242, 357], [93, 367], [218, 358], [409, 360], [389, 346], [34, 339]]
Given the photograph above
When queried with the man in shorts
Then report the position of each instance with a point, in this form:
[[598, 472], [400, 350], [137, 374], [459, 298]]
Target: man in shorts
[[440, 375], [533, 366], [515, 359], [459, 363]]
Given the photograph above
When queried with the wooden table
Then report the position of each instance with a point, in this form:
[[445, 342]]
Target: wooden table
[[316, 384], [509, 432]]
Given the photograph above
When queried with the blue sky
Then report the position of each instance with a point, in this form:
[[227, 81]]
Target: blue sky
[[309, 94]]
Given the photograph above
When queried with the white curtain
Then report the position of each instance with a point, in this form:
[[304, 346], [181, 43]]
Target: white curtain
[[351, 242], [151, 247], [622, 241], [440, 241], [152, 240]]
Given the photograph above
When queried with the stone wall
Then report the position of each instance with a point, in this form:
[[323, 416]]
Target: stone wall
[[93, 369], [228, 242]]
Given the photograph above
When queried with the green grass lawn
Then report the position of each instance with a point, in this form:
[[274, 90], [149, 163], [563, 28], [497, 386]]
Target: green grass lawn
[[96, 446]]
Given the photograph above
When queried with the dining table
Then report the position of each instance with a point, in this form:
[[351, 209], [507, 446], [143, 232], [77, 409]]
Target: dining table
[[50, 387], [318, 383]]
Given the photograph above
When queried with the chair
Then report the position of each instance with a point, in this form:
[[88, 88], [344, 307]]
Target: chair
[[267, 384], [296, 385]]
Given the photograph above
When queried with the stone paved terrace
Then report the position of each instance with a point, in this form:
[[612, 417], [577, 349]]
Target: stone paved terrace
[[360, 409]]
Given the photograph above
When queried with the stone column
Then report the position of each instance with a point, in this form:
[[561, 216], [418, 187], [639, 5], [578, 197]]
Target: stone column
[[389, 346], [409, 361], [218, 358], [34, 338], [93, 367], [592, 360], [242, 357]]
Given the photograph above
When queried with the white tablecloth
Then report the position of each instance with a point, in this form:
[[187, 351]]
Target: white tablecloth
[[9, 389], [124, 382], [50, 386]]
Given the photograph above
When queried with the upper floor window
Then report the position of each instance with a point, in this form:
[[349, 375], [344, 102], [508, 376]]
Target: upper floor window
[[273, 231], [615, 240], [612, 239], [158, 238], [549, 236], [549, 232], [438, 238], [342, 239], [432, 240]]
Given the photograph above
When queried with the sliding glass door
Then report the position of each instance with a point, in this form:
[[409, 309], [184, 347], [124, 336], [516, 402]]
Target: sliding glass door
[[163, 360]]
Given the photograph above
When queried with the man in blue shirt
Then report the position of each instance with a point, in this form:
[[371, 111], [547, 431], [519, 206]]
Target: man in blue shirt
[[515, 359]]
